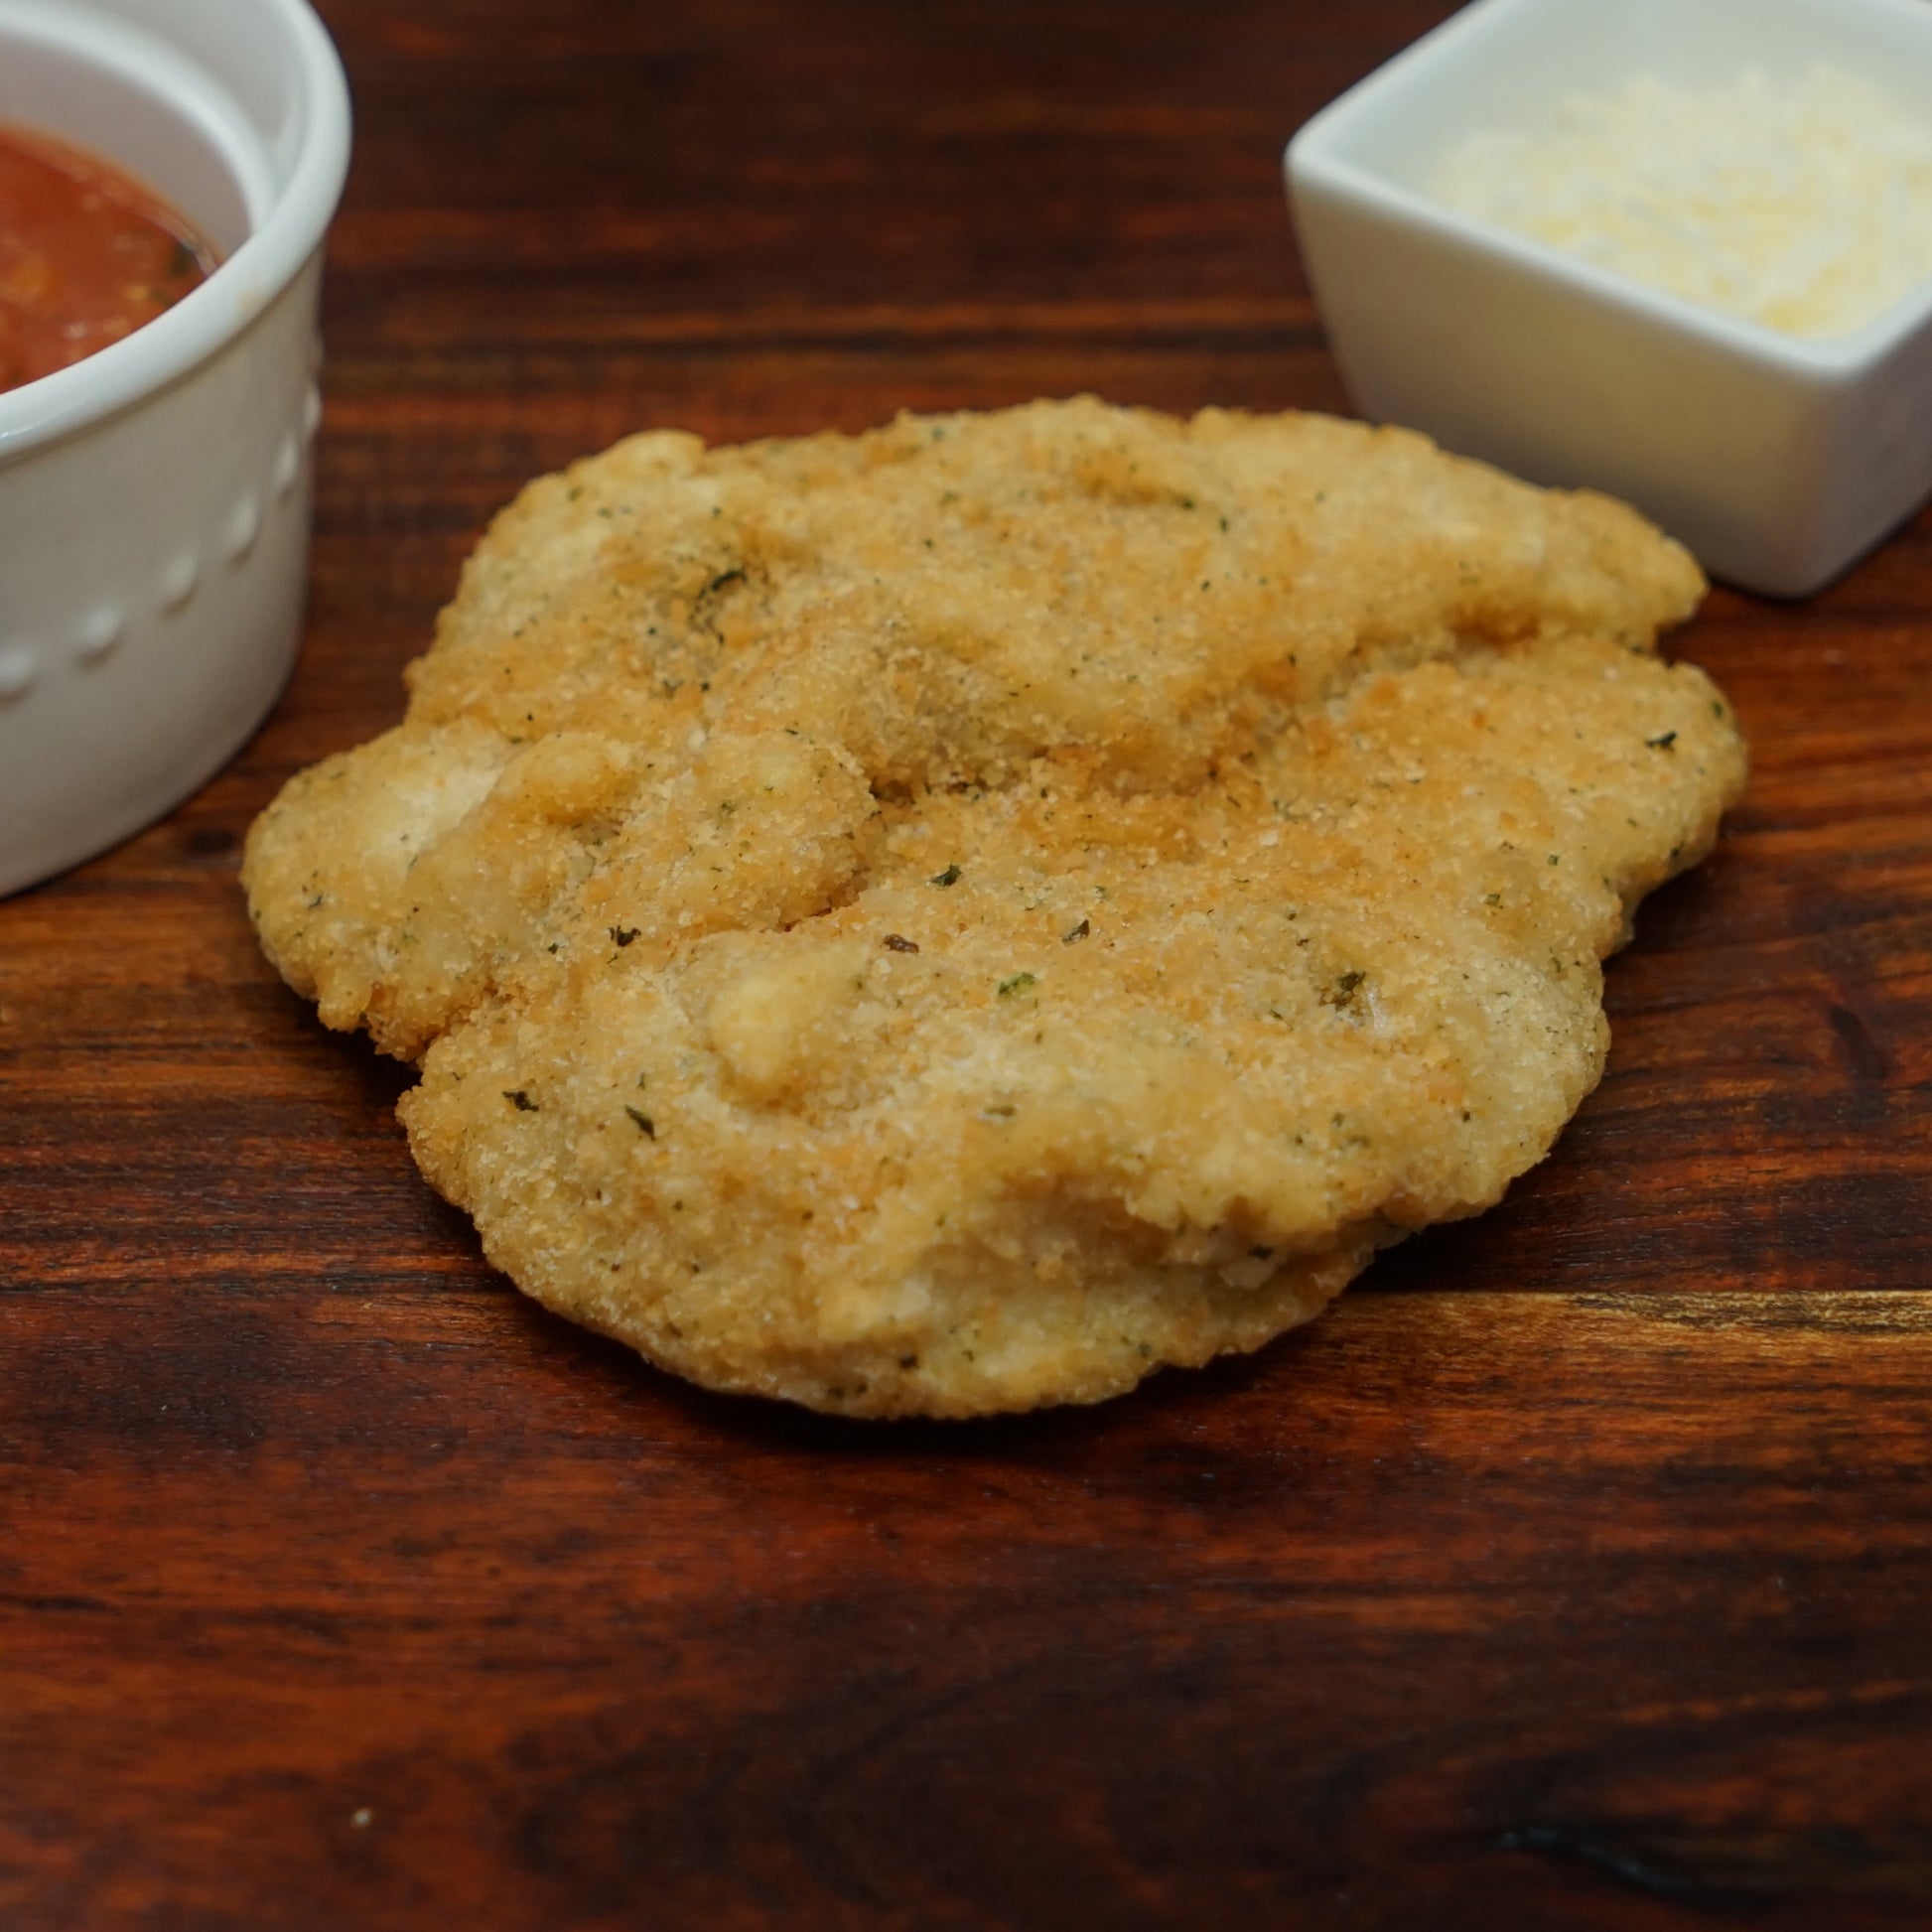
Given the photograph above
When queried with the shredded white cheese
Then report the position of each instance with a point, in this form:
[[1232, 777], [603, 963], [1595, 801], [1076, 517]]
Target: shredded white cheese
[[1804, 205]]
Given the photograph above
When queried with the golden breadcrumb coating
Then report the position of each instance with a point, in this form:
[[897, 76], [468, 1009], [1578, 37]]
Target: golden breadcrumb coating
[[955, 918]]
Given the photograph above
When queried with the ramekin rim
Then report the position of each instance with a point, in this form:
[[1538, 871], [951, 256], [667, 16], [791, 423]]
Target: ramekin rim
[[207, 320]]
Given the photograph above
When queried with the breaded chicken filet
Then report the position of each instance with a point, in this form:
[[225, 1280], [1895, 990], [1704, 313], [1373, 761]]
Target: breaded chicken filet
[[952, 920]]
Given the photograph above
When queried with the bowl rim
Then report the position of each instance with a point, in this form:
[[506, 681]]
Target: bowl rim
[[210, 316], [1310, 158]]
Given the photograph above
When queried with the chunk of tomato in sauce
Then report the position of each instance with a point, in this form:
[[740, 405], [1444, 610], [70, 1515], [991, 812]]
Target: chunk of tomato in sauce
[[86, 257]]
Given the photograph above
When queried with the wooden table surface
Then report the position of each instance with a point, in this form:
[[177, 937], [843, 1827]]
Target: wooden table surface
[[1574, 1571]]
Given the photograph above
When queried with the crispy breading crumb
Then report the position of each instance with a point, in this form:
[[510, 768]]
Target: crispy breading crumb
[[955, 918]]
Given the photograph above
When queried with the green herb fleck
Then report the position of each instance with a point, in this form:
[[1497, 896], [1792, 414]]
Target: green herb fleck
[[621, 935], [645, 1125], [1662, 742], [1342, 993], [520, 1100], [1078, 933], [950, 877], [1018, 983]]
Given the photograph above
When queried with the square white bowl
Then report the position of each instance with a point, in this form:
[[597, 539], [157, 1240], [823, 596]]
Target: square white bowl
[[1778, 459]]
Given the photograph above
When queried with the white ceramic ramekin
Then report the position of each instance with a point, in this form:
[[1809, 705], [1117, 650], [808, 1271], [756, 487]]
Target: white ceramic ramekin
[[1777, 459], [154, 500]]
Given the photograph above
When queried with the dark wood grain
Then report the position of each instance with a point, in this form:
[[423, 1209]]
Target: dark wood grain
[[1574, 1573]]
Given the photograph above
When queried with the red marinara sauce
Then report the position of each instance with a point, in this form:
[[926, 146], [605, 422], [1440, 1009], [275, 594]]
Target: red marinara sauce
[[86, 257]]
